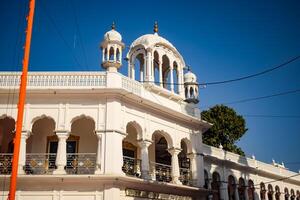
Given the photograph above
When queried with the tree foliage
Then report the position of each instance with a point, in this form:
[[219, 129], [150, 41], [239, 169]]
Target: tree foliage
[[228, 127]]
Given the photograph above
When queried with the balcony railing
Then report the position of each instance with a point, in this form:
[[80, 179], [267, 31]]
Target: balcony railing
[[40, 163], [81, 163], [161, 172], [5, 163], [185, 176], [131, 166]]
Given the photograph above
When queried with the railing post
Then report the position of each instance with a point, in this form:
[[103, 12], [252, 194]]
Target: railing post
[[224, 191], [61, 156], [99, 153], [246, 188], [144, 144], [22, 158], [175, 164]]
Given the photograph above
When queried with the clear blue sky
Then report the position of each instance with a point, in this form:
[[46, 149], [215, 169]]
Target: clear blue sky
[[219, 39]]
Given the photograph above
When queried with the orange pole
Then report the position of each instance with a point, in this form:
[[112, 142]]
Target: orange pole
[[22, 97]]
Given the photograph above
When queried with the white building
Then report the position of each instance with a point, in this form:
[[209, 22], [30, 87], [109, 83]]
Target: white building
[[101, 135]]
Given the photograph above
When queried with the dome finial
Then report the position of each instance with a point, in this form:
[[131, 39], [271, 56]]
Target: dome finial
[[155, 29], [113, 26]]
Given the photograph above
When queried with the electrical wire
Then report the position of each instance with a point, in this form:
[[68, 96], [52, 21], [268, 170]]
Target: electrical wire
[[274, 116], [258, 98], [51, 19], [79, 33], [284, 64]]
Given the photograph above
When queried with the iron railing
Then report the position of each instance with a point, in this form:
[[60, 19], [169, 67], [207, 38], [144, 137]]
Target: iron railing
[[185, 176], [81, 163], [161, 172], [131, 166], [40, 163], [5, 163]]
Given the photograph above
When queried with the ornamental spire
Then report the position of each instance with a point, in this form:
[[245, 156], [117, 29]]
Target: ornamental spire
[[155, 29], [113, 26]]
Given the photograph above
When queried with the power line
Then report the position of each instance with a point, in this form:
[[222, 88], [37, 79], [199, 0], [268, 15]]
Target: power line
[[274, 116], [59, 32], [284, 64], [260, 97], [79, 33]]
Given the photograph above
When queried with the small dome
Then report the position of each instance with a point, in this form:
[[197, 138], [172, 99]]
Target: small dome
[[113, 35], [190, 77], [149, 40]]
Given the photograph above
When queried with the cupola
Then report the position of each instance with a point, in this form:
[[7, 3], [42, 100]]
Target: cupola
[[191, 87]]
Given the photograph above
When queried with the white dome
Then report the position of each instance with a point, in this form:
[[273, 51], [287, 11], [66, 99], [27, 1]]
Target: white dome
[[190, 77], [112, 35], [149, 40]]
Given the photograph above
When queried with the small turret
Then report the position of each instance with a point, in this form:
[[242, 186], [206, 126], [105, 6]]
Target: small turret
[[191, 87], [112, 47]]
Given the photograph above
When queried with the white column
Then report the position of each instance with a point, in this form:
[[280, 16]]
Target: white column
[[132, 72], [171, 78], [99, 153], [236, 192], [246, 191], [149, 66], [160, 72], [107, 53], [175, 165], [61, 155], [103, 55], [144, 144], [22, 157], [193, 167], [115, 54], [142, 68], [224, 191]]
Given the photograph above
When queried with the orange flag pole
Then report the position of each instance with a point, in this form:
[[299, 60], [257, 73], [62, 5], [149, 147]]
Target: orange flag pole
[[22, 97]]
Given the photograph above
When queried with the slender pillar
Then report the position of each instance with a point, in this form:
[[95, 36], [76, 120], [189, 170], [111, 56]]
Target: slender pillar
[[246, 188], [99, 153], [142, 72], [149, 66], [61, 155], [132, 72], [224, 191], [103, 58], [22, 158], [171, 78], [160, 72], [236, 192], [175, 165], [144, 144], [115, 54], [107, 53], [193, 167]]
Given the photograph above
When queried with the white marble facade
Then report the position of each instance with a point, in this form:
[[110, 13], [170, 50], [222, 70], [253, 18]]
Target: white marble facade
[[102, 135]]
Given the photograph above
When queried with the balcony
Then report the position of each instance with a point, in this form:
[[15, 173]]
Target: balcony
[[85, 163]]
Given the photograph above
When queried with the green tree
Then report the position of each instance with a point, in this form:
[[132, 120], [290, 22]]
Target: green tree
[[228, 127]]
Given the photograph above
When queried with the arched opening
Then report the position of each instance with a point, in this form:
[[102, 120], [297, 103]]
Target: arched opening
[[241, 189], [40, 159], [166, 72], [175, 77], [161, 157], [251, 190], [111, 54], [298, 195], [118, 55], [139, 67], [7, 127], [206, 179], [270, 192], [131, 163], [82, 146], [105, 54], [277, 192], [156, 68], [184, 162], [286, 194], [231, 187], [215, 185], [262, 191], [293, 196], [192, 93]]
